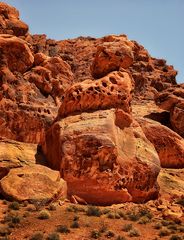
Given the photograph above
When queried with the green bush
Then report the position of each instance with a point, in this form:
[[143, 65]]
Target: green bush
[[122, 215], [37, 236], [93, 211], [52, 207], [14, 206], [44, 214], [53, 236], [134, 233], [111, 215], [127, 227], [95, 234], [63, 229], [133, 216]]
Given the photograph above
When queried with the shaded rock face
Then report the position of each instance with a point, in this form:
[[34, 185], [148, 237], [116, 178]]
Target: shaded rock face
[[10, 22], [103, 156], [168, 144], [172, 100], [36, 184]]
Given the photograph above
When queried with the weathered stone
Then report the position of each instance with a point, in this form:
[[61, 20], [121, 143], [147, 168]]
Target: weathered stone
[[15, 154], [51, 76], [113, 54], [15, 53], [104, 157], [10, 22], [172, 100], [36, 183], [110, 91], [168, 144]]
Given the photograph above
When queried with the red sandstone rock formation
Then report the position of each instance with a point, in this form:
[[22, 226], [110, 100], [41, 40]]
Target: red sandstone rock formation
[[104, 156], [10, 22], [172, 100], [95, 141], [168, 144]]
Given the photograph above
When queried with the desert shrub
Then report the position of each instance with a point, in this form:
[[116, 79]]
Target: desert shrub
[[175, 237], [75, 218], [127, 227], [144, 220], [106, 210], [73, 208], [4, 231], [165, 222], [52, 207], [93, 211], [110, 234], [180, 201], [15, 219], [117, 216], [103, 227], [37, 236], [111, 215], [120, 238], [53, 236], [75, 224], [134, 233], [181, 229], [63, 229], [122, 215], [145, 212], [44, 214], [25, 203], [14, 206], [133, 216], [158, 225], [164, 232], [95, 234], [172, 227], [5, 202]]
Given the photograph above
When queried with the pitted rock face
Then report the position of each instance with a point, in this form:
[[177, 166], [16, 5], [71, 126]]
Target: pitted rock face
[[103, 158], [15, 54], [114, 90], [172, 100], [114, 53], [51, 75], [10, 22]]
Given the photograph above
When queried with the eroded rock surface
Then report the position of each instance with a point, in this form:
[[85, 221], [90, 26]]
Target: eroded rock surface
[[168, 144], [172, 100], [15, 154], [104, 157], [37, 184], [113, 90], [10, 22]]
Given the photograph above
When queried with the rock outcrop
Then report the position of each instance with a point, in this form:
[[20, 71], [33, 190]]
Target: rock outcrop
[[103, 156], [36, 184], [172, 100], [10, 22], [113, 90], [17, 154], [168, 144]]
